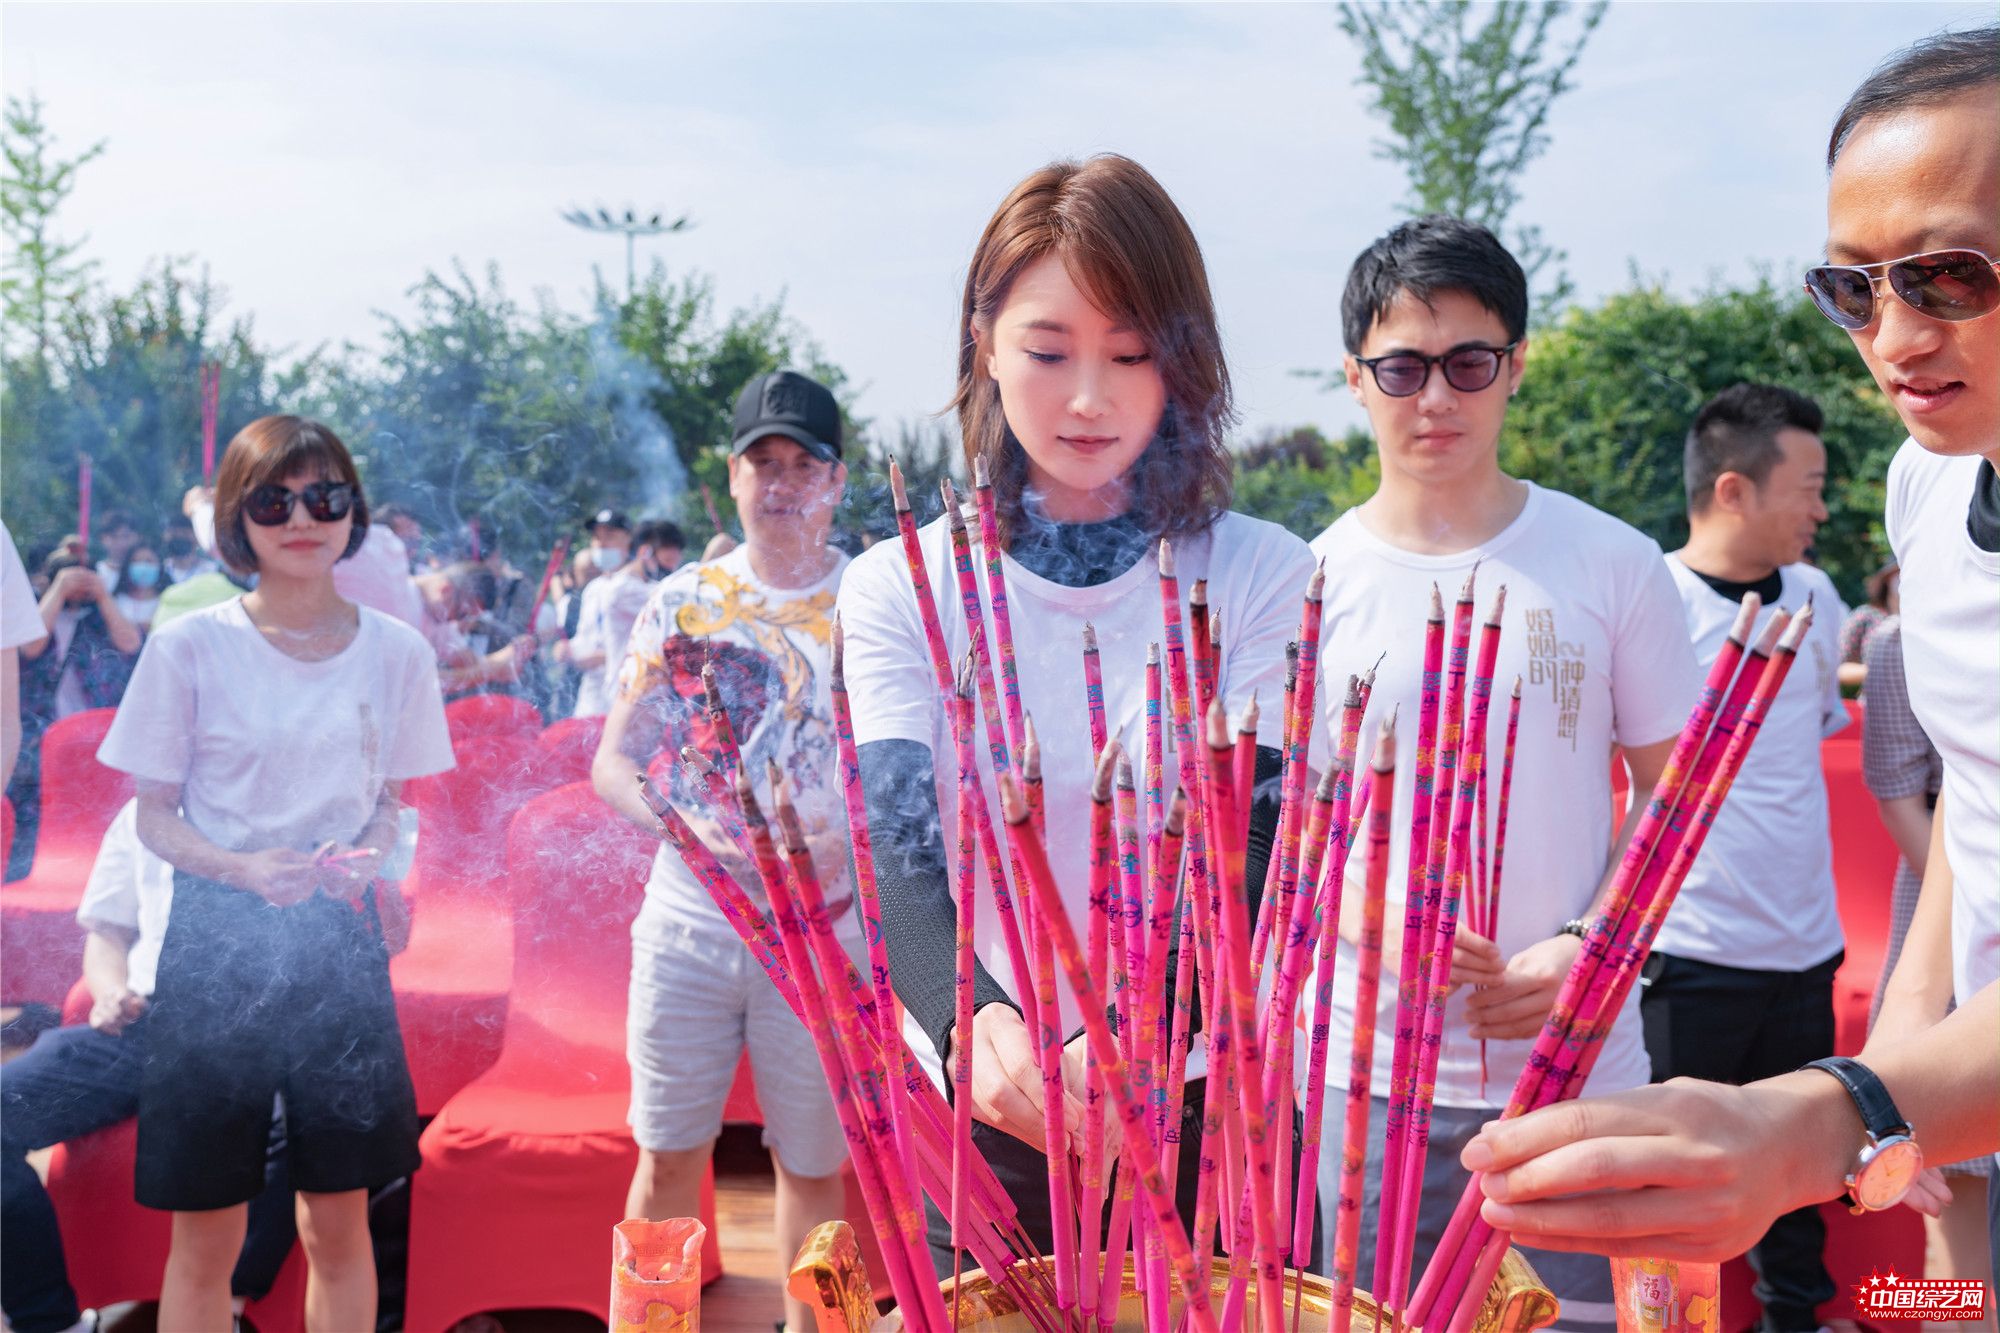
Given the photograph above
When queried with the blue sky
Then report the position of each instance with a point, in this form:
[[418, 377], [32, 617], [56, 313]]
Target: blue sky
[[320, 157]]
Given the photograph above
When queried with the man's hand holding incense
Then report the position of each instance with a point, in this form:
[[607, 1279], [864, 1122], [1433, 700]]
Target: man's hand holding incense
[[1683, 1169], [1475, 960], [1006, 1085], [1514, 1006]]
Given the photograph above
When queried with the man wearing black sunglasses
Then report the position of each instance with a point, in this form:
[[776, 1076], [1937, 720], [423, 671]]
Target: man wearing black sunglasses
[[1435, 319], [1697, 1170]]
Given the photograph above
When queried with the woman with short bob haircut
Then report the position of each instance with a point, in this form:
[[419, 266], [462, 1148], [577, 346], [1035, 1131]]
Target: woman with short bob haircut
[[1093, 389], [269, 736]]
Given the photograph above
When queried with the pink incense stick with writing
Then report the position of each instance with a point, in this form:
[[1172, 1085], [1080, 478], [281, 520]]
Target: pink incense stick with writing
[[1657, 822], [1489, 898], [1268, 904], [1456, 853], [83, 503], [996, 598], [1055, 1133], [846, 1100], [1143, 1164], [867, 1076], [1403, 1062], [961, 1077], [1361, 1062], [1103, 872]]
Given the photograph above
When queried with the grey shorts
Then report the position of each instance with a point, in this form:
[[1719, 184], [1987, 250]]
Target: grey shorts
[[698, 1000], [1581, 1282]]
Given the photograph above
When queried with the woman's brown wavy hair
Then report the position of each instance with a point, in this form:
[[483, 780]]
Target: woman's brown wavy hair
[[1134, 256]]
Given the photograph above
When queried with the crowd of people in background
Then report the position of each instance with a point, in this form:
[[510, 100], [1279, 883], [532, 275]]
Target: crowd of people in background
[[1103, 430]]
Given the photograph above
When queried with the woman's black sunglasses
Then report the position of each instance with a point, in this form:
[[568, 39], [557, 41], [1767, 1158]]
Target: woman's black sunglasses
[[1943, 284], [326, 501], [1466, 369]]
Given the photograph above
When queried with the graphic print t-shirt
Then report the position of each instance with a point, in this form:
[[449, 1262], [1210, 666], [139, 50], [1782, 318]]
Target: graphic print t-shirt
[[1593, 628], [772, 649]]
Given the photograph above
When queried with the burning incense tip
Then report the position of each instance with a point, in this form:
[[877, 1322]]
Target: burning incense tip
[[1499, 606], [965, 676], [1316, 585], [1198, 595], [839, 650], [1517, 687], [1126, 781], [1215, 630], [1324, 792], [746, 796], [1437, 604], [1465, 593], [1795, 633], [711, 688], [696, 760], [1251, 716], [1353, 698], [1217, 723], [1292, 665], [981, 478], [1746, 616], [1775, 627], [897, 491], [1089, 637], [1031, 750], [1107, 765], [1177, 813], [1152, 654], [1013, 801], [1166, 558], [1368, 681], [952, 512], [1385, 745]]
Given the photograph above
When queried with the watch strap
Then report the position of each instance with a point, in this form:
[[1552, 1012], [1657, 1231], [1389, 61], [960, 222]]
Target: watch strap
[[1878, 1110]]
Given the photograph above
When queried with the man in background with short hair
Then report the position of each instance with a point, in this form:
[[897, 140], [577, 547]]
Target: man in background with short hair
[[1740, 983]]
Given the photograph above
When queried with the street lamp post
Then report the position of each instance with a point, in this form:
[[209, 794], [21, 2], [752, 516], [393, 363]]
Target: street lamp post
[[631, 226]]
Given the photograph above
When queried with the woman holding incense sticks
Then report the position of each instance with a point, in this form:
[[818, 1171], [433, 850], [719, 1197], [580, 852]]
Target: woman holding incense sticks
[[1092, 391], [1698, 1170], [270, 736], [1434, 319]]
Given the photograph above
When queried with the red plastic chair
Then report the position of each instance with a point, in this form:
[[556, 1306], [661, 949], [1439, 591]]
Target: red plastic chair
[[117, 1250], [526, 1170], [451, 984], [568, 746], [490, 715], [41, 946]]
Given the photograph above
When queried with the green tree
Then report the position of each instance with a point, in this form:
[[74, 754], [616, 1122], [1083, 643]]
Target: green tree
[[43, 277], [1303, 481], [1605, 406], [121, 383], [1466, 90]]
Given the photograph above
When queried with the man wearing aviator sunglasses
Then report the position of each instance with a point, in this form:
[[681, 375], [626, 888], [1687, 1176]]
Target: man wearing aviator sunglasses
[[1695, 1170]]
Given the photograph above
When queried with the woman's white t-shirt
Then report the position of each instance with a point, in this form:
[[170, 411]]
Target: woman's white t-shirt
[[1951, 653], [1761, 895], [270, 751], [20, 618], [1257, 574], [1593, 627]]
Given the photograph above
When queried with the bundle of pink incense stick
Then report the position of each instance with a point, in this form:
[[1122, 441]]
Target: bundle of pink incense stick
[[1169, 946]]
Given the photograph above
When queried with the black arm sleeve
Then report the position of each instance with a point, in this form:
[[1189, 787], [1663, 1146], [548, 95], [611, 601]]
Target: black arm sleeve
[[919, 919]]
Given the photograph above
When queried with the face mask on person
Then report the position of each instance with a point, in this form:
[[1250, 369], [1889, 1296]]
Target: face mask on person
[[607, 558], [143, 574]]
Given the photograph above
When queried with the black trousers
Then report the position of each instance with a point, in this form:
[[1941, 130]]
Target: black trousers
[[1737, 1025], [1024, 1173]]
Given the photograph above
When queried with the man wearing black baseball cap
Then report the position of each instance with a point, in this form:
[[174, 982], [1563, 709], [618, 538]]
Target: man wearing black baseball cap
[[762, 615], [786, 403]]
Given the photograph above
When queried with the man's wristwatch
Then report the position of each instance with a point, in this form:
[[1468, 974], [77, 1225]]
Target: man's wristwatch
[[1888, 1165]]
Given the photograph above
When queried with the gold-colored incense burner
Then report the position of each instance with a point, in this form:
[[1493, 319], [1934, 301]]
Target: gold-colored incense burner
[[830, 1276]]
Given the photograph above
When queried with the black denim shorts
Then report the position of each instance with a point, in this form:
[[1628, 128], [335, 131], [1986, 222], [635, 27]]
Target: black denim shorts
[[254, 1001]]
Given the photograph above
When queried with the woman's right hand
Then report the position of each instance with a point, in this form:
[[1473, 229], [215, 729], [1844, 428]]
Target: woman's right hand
[[1006, 1085], [277, 874]]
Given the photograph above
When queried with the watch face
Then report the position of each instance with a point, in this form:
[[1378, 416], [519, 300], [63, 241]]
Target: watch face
[[1888, 1173]]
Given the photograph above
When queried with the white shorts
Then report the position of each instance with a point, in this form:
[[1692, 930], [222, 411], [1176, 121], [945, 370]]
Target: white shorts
[[698, 999]]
